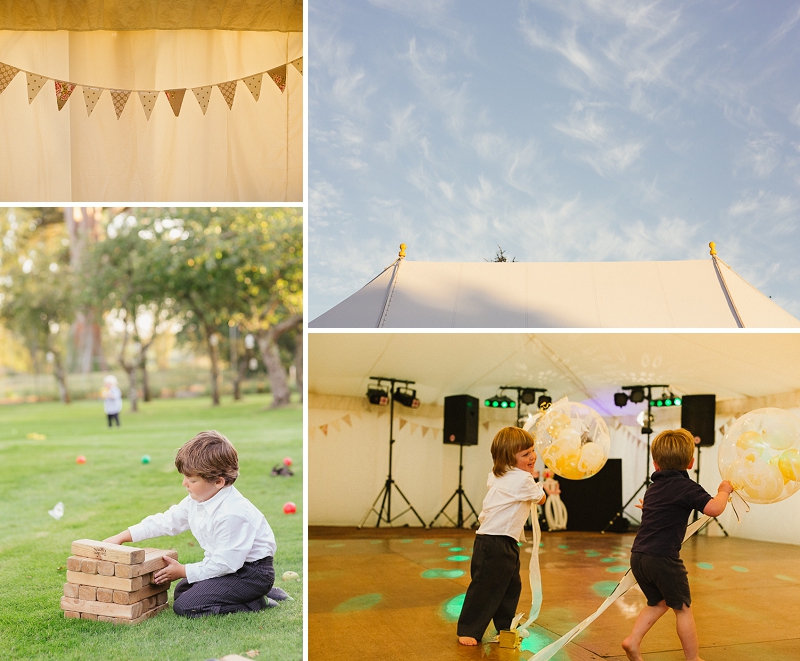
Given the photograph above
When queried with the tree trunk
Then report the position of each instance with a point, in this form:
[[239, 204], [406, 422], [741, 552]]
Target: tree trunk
[[145, 376], [213, 353], [238, 376], [298, 365], [267, 344], [130, 370], [61, 377]]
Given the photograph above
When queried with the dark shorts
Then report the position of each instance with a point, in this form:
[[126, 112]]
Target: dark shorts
[[662, 579]]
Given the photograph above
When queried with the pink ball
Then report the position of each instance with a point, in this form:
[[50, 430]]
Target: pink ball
[[80, 459], [289, 508], [287, 461]]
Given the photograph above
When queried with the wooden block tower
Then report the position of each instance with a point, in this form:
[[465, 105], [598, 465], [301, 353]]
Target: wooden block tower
[[114, 583]]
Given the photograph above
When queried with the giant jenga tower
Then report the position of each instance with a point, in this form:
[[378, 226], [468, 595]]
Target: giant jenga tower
[[114, 583]]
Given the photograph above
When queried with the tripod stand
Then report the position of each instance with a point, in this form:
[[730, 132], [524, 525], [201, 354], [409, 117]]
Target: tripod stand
[[460, 520], [697, 479], [385, 511]]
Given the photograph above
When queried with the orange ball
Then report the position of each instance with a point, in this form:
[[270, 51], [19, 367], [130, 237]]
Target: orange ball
[[289, 508], [80, 459]]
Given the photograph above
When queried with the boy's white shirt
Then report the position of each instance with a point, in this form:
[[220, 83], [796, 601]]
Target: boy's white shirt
[[113, 402], [508, 503], [228, 527]]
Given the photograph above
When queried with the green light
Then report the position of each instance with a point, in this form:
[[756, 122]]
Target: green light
[[659, 403], [487, 402], [667, 402], [677, 401], [512, 405], [503, 405]]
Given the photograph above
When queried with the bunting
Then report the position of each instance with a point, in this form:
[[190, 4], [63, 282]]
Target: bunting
[[338, 425], [148, 98]]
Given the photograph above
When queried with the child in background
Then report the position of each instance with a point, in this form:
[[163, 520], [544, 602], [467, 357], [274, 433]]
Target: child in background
[[495, 587], [236, 573], [112, 399], [655, 556]]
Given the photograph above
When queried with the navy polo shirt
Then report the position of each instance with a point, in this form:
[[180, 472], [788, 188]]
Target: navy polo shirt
[[668, 502]]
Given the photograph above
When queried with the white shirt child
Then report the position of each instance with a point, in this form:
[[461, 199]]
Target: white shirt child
[[508, 503], [228, 527]]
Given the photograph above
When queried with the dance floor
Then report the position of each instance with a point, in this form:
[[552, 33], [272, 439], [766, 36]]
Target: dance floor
[[386, 594]]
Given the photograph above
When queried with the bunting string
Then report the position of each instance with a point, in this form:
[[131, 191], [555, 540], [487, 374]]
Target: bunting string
[[92, 93]]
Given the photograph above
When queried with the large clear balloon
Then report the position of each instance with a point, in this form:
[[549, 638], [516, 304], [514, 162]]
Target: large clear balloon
[[760, 455], [572, 440]]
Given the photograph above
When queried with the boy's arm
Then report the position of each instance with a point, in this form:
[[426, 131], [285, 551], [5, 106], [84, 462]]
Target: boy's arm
[[120, 538], [717, 504], [172, 522]]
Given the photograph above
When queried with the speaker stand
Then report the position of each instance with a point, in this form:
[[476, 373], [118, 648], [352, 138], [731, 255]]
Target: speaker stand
[[459, 492]]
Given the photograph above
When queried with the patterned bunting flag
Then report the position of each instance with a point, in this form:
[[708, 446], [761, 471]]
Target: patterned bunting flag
[[175, 98], [7, 74], [324, 429], [228, 91], [254, 84], [120, 98], [298, 64], [278, 75], [203, 95], [91, 95], [148, 100], [63, 92], [35, 83]]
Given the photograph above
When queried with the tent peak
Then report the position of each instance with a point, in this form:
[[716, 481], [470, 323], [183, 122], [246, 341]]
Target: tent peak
[[713, 247], [402, 252]]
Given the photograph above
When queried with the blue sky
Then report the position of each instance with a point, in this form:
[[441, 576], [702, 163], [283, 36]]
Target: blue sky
[[563, 130]]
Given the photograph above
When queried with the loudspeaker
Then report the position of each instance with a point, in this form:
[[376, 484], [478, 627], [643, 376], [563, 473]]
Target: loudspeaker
[[697, 416], [593, 502], [460, 420]]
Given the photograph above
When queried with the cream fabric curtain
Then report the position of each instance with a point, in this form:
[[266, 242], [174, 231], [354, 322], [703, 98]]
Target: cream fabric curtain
[[250, 153]]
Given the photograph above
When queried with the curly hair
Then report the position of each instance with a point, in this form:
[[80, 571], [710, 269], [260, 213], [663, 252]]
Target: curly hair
[[209, 455]]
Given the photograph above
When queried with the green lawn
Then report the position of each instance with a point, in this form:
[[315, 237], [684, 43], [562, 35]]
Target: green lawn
[[113, 490]]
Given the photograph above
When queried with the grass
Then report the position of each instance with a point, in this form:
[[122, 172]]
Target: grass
[[113, 490]]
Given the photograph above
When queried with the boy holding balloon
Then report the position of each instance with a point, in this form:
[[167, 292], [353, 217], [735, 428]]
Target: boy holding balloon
[[655, 555]]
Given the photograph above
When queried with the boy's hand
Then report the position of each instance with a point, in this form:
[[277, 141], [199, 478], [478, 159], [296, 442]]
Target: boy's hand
[[640, 504], [120, 538], [725, 486], [172, 572]]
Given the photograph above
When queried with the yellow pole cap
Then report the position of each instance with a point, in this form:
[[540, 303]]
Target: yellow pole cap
[[713, 247], [402, 250]]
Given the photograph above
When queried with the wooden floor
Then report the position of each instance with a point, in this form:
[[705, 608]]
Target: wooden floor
[[385, 594]]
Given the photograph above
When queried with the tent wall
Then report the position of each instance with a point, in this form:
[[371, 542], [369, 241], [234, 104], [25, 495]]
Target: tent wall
[[348, 463]]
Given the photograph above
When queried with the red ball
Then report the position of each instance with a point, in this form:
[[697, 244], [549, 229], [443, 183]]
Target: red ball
[[287, 461], [289, 508], [80, 459]]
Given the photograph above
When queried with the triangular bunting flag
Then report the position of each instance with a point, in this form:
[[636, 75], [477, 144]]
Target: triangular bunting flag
[[148, 100], [347, 420], [486, 426], [336, 425], [357, 414], [203, 96], [63, 92], [402, 422], [278, 75], [381, 413], [414, 427], [91, 95], [254, 84], [7, 74], [175, 98], [120, 98], [35, 83], [298, 64], [425, 431], [324, 429], [436, 433], [228, 90]]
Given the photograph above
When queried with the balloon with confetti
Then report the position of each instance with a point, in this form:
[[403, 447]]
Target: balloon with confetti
[[572, 439], [760, 455]]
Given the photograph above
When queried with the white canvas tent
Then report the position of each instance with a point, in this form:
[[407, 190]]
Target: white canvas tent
[[348, 437], [679, 294]]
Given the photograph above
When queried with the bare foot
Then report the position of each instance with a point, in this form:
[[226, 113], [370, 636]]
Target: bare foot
[[631, 651], [466, 640]]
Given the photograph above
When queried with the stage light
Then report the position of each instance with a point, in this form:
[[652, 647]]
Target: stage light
[[407, 398], [527, 396], [501, 402], [637, 394], [544, 400], [620, 399], [377, 396], [666, 400]]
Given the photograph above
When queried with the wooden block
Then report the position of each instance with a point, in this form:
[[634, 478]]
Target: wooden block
[[152, 562], [123, 597], [75, 614], [90, 548], [88, 566], [71, 590], [106, 568], [162, 598], [144, 616], [102, 618], [100, 581], [74, 563], [88, 616], [106, 595], [147, 579], [87, 593], [99, 608]]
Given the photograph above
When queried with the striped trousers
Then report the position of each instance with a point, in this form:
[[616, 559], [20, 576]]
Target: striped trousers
[[244, 590]]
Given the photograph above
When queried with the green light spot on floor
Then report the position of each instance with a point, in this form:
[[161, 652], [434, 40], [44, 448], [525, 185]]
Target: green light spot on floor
[[609, 560], [705, 565], [361, 603], [458, 558], [442, 573], [570, 552], [454, 549], [451, 608], [786, 578], [741, 569], [535, 642], [428, 541], [591, 553], [541, 545], [618, 569], [604, 588], [563, 546], [406, 541], [334, 546], [445, 543]]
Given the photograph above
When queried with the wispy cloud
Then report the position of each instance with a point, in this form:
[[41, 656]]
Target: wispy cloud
[[785, 28], [761, 154]]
